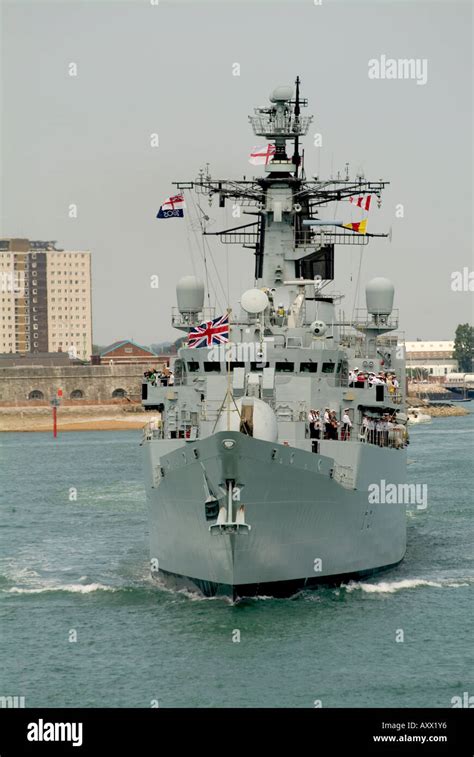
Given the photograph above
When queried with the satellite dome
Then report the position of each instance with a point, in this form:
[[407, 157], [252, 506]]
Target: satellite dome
[[190, 294], [281, 94], [379, 294], [254, 301]]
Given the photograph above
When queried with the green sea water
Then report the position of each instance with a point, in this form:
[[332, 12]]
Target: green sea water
[[77, 568]]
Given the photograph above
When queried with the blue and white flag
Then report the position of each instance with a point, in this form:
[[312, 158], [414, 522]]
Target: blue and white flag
[[173, 207]]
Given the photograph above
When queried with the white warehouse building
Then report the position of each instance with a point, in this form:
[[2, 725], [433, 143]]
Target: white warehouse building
[[434, 357]]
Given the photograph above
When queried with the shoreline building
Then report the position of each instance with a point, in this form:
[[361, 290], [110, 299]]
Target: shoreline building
[[126, 351], [433, 357], [45, 299]]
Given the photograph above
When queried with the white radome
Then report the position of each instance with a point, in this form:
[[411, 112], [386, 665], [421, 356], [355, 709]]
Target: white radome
[[190, 294], [265, 425], [379, 294], [281, 94], [254, 301]]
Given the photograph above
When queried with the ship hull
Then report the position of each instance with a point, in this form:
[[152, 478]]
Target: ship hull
[[277, 589], [309, 524]]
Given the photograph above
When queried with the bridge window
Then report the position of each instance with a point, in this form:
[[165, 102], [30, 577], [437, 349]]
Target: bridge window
[[212, 367], [236, 365], [193, 366], [258, 366], [309, 367], [36, 395], [328, 367], [284, 367]]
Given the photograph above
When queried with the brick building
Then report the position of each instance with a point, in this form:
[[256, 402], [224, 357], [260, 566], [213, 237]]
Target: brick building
[[126, 352]]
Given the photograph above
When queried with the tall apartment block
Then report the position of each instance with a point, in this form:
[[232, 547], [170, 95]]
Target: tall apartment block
[[45, 298]]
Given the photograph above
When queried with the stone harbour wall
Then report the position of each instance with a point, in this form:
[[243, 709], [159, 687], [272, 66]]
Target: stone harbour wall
[[102, 383]]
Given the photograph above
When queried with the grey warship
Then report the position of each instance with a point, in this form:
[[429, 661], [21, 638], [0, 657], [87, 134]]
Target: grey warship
[[260, 455]]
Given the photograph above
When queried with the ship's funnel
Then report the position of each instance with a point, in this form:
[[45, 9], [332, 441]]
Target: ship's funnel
[[190, 294], [379, 296]]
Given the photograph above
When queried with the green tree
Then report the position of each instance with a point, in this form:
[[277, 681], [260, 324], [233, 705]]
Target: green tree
[[464, 347]]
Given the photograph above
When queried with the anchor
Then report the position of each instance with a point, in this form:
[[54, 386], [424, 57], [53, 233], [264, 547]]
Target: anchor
[[225, 523]]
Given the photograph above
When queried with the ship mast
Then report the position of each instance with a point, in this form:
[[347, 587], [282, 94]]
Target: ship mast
[[296, 154], [288, 236]]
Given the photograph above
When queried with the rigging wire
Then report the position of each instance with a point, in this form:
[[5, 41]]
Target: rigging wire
[[217, 273], [356, 290], [202, 226], [227, 268], [188, 242], [206, 248], [201, 251]]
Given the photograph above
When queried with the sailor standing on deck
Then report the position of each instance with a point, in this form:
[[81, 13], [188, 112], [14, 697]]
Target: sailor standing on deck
[[371, 425], [334, 425], [314, 424], [386, 429], [346, 426], [365, 429], [378, 432], [164, 376], [318, 425], [327, 424]]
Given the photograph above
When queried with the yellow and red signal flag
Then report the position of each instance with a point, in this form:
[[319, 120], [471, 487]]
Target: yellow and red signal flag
[[360, 227]]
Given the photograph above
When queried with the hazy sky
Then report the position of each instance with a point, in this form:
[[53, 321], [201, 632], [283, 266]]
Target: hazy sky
[[167, 69]]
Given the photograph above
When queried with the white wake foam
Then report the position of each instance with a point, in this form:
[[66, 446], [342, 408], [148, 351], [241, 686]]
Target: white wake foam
[[74, 588], [390, 587]]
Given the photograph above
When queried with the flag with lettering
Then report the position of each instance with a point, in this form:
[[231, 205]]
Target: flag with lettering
[[172, 207]]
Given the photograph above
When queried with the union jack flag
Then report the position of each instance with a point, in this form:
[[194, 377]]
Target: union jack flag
[[210, 332]]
